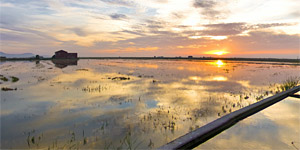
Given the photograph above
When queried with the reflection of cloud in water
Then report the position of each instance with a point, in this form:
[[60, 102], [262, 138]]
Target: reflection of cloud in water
[[133, 65], [70, 110], [219, 78], [162, 99], [212, 78], [221, 86], [264, 130], [244, 83], [151, 104]]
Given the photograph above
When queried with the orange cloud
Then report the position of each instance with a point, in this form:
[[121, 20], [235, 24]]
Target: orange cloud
[[192, 46], [217, 52], [127, 50], [270, 52]]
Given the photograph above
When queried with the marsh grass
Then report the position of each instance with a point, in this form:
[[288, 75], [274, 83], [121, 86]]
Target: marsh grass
[[3, 78], [33, 140], [8, 89], [293, 143], [289, 83], [14, 79], [128, 142]]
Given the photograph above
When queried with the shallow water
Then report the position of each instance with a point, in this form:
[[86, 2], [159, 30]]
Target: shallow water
[[277, 127], [126, 103]]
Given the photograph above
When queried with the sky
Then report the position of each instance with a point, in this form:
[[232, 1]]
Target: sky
[[100, 28]]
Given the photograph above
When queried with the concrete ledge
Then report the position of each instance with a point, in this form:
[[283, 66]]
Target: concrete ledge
[[204, 133]]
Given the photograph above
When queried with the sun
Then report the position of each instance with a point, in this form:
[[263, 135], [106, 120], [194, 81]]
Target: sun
[[217, 52], [220, 52]]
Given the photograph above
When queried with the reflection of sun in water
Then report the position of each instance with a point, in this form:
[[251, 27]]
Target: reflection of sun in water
[[219, 78], [219, 63]]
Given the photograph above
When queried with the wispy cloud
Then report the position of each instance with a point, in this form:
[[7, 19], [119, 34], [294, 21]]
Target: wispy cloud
[[120, 2], [174, 28], [209, 8], [127, 50], [118, 16]]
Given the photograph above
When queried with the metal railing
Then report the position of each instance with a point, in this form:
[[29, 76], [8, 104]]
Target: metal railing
[[204, 133]]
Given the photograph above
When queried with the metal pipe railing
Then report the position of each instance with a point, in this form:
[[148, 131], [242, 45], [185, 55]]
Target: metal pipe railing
[[204, 133]]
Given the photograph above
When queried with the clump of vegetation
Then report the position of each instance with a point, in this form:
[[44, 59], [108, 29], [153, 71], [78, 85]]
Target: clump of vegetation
[[129, 142], [293, 143], [14, 79], [33, 140], [3, 78], [85, 141], [82, 70], [289, 83], [7, 89], [120, 78]]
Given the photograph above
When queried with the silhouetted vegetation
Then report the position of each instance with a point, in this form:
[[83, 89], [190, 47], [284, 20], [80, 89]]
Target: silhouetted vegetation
[[14, 79], [8, 89], [120, 78], [289, 83], [3, 78]]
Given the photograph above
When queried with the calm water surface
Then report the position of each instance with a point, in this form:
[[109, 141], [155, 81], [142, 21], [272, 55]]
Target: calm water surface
[[112, 104], [277, 127]]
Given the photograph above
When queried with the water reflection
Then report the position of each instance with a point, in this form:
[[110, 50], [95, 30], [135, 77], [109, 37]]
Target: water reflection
[[264, 130], [209, 78], [62, 63], [219, 78], [218, 63], [99, 103]]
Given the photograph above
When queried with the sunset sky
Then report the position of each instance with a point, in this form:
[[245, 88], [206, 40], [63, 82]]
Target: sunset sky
[[227, 28]]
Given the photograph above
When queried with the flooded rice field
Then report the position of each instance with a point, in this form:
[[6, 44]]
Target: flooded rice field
[[141, 104]]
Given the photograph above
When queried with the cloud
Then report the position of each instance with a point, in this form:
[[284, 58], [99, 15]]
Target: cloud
[[259, 40], [174, 27], [119, 2], [209, 9], [127, 50], [118, 16], [161, 1], [133, 32], [204, 3], [269, 25], [11, 16], [231, 29], [224, 29], [254, 44], [79, 31]]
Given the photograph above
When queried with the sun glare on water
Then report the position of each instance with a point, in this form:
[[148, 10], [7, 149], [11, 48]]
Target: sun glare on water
[[219, 63]]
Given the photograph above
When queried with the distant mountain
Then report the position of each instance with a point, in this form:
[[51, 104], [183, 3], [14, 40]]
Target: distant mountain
[[24, 55]]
